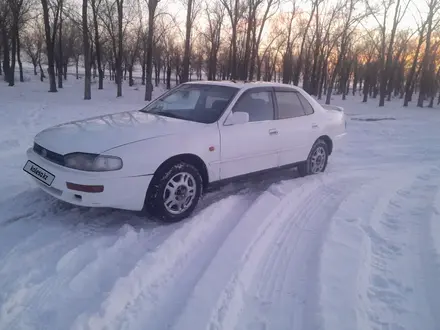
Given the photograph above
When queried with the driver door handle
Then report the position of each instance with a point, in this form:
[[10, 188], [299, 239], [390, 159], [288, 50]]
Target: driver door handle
[[273, 131]]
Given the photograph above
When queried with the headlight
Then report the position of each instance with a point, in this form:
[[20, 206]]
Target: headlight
[[92, 162]]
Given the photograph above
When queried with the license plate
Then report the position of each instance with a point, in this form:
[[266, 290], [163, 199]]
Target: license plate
[[39, 173]]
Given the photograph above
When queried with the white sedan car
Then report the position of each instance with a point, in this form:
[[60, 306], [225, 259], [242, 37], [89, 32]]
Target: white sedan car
[[161, 158]]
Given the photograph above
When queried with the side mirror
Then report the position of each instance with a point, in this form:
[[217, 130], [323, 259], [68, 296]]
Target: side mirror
[[237, 118]]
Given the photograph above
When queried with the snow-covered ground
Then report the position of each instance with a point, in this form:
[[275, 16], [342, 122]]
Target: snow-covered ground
[[357, 247]]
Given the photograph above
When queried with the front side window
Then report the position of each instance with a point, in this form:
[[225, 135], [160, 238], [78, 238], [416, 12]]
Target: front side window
[[258, 104], [194, 102]]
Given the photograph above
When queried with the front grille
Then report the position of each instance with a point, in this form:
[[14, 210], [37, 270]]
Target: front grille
[[49, 155]]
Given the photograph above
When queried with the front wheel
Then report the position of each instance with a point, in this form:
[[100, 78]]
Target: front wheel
[[175, 192], [317, 160]]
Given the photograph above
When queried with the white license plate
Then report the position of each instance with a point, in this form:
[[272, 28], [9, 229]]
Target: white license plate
[[39, 173]]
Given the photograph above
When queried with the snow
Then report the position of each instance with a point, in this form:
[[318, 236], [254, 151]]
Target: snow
[[357, 247]]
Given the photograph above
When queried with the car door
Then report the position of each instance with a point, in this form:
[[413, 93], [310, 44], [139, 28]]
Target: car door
[[296, 126], [250, 147]]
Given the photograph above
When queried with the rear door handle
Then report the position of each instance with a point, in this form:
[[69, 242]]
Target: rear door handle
[[273, 131], [315, 125]]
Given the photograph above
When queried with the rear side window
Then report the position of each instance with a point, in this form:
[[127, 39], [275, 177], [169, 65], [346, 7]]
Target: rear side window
[[308, 109], [289, 105]]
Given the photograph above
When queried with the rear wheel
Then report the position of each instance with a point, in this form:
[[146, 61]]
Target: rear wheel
[[174, 192], [317, 160]]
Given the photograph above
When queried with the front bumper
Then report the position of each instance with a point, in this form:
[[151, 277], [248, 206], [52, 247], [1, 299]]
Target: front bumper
[[126, 193]]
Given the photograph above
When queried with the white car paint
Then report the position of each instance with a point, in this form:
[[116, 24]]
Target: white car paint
[[145, 141]]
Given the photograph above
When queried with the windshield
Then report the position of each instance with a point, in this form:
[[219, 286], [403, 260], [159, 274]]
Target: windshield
[[202, 103]]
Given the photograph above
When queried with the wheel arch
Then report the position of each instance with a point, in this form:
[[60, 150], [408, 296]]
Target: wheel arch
[[328, 141], [188, 158]]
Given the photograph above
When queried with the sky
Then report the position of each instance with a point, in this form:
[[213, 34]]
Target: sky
[[177, 8]]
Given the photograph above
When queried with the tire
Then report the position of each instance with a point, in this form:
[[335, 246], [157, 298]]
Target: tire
[[317, 160], [174, 192]]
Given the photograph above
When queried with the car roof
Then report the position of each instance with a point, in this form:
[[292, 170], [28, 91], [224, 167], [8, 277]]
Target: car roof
[[243, 84]]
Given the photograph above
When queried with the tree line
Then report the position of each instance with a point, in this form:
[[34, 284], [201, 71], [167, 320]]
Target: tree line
[[326, 47]]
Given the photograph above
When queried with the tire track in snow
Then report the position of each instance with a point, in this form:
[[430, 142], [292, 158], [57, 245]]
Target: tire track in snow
[[46, 212], [397, 292], [85, 274], [287, 291], [273, 241], [431, 256], [198, 284], [23, 300], [156, 270], [430, 259], [343, 257]]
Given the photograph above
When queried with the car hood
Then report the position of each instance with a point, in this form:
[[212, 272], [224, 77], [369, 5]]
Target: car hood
[[98, 134]]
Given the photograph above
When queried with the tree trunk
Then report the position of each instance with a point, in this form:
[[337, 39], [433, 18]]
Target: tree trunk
[[144, 64], [42, 76], [65, 70], [119, 55], [14, 32], [20, 65], [49, 48], [86, 47], [185, 68], [6, 58], [322, 80], [97, 46], [130, 75], [60, 48], [164, 73], [234, 22], [424, 79], [412, 71], [157, 73], [152, 4], [169, 76], [298, 66], [247, 48]]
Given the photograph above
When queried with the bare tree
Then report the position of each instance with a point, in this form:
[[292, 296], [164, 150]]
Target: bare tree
[[33, 44], [16, 9], [427, 79], [86, 47], [235, 12], [51, 15], [269, 11], [215, 14], [96, 6], [386, 53], [119, 4], [152, 6], [5, 25], [116, 20], [186, 54], [298, 67], [287, 57], [350, 21]]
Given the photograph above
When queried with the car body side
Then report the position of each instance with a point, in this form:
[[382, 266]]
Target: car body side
[[204, 143]]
